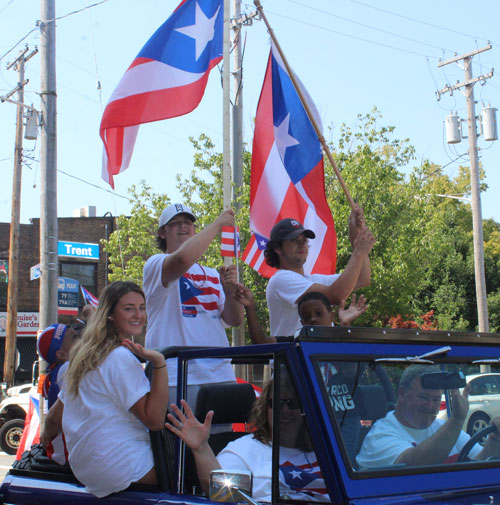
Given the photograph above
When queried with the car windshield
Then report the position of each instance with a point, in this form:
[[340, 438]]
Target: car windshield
[[391, 415]]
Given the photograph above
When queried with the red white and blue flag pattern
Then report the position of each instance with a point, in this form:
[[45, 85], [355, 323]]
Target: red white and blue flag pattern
[[89, 298], [230, 241], [198, 292], [287, 175], [304, 477], [31, 431], [167, 79]]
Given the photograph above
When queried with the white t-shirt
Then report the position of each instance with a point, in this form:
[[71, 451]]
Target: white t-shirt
[[283, 290], [388, 438], [109, 448], [187, 313], [300, 475]]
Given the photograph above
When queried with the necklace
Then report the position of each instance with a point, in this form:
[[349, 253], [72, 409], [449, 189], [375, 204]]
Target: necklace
[[201, 284]]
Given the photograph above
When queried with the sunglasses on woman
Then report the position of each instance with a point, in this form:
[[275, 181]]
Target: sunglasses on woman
[[291, 403]]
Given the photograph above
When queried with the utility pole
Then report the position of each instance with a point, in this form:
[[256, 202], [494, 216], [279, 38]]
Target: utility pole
[[48, 165], [477, 220], [237, 23], [238, 333], [13, 277]]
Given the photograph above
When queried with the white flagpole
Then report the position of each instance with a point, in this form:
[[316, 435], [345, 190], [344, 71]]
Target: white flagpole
[[226, 126]]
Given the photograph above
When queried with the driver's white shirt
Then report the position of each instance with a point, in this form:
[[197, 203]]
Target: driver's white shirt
[[388, 438]]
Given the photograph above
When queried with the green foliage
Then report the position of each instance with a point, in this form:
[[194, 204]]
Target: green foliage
[[422, 262], [133, 241]]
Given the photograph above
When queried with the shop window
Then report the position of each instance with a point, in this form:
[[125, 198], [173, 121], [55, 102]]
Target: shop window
[[84, 273]]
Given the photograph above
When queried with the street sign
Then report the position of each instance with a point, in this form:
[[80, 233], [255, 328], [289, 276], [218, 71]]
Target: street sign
[[78, 250], [35, 272], [67, 296]]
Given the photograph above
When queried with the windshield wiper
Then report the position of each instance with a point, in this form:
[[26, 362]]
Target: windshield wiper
[[486, 361], [417, 359]]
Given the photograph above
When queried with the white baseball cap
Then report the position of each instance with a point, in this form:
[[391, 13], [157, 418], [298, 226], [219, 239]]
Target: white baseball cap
[[173, 210]]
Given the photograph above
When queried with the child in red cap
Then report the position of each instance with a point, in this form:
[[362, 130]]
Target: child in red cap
[[54, 345]]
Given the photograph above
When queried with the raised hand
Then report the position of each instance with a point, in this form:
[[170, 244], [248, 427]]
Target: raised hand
[[459, 403], [243, 295], [156, 358], [188, 428], [225, 218], [357, 222], [364, 241], [355, 309], [228, 279]]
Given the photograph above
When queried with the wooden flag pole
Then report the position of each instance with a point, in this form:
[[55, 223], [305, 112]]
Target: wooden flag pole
[[316, 127]]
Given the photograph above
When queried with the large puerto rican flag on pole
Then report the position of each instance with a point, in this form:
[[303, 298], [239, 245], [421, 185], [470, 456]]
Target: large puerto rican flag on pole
[[287, 175], [166, 79]]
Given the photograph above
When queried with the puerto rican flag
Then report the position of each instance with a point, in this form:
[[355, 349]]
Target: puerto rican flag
[[89, 298], [287, 175], [31, 431], [304, 476], [198, 292], [167, 79], [230, 241]]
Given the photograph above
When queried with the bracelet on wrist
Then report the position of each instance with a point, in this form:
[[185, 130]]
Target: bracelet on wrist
[[158, 367]]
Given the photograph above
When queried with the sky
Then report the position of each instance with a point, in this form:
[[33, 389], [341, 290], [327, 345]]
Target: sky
[[351, 55]]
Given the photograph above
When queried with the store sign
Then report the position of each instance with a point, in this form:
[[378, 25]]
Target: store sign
[[27, 324], [78, 250], [67, 296]]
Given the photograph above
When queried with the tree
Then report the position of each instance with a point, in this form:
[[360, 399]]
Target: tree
[[423, 258], [371, 164], [134, 239]]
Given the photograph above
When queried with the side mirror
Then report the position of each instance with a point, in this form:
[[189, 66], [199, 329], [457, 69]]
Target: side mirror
[[231, 486], [443, 380]]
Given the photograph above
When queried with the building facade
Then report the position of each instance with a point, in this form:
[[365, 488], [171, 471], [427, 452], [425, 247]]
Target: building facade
[[80, 257]]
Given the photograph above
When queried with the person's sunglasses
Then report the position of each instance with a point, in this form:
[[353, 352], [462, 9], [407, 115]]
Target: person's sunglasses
[[291, 403]]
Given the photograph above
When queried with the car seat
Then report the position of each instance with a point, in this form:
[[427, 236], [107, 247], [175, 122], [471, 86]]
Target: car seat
[[231, 404]]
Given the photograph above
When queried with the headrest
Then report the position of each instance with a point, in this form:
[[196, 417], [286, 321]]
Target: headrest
[[231, 403]]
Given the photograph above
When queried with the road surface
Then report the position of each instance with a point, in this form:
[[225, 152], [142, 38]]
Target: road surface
[[5, 463]]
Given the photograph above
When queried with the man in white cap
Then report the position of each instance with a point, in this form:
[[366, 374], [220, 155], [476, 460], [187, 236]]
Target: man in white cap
[[189, 304]]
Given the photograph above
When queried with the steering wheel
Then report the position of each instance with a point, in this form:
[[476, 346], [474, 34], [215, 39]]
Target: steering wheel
[[479, 435]]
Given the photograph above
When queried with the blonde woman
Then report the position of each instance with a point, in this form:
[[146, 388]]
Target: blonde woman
[[106, 404]]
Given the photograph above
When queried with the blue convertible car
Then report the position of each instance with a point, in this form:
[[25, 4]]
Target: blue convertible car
[[341, 382]]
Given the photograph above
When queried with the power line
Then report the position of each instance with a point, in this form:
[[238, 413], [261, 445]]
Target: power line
[[78, 11], [416, 20], [50, 21], [95, 185], [353, 36], [8, 3], [368, 26], [17, 43]]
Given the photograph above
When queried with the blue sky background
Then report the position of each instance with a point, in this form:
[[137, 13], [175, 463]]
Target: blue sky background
[[351, 55]]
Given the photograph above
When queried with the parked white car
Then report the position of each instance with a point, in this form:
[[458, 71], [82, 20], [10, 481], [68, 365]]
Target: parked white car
[[484, 401], [13, 410]]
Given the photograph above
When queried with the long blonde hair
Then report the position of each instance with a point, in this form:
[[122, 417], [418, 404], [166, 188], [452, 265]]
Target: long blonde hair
[[99, 336]]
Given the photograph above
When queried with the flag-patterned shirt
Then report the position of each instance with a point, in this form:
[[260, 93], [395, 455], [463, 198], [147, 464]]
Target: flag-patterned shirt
[[300, 476], [187, 313]]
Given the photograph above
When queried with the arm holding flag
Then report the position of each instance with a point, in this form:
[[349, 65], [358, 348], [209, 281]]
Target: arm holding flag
[[233, 311], [244, 296], [349, 279], [182, 257], [357, 223]]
